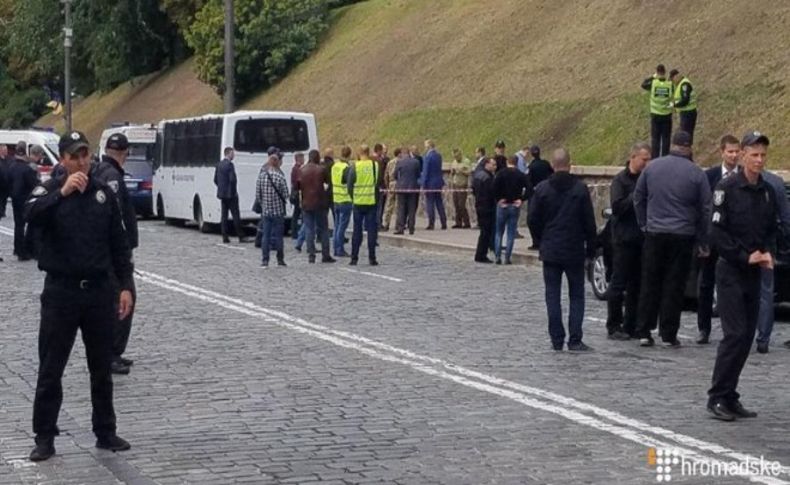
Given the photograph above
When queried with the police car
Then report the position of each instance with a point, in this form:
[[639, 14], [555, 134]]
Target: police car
[[139, 165], [600, 273]]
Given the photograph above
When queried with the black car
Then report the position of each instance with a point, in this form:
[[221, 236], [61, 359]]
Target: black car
[[601, 271]]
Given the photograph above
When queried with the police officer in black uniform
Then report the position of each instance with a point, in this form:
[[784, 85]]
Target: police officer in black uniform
[[743, 233], [109, 171], [22, 178], [85, 253]]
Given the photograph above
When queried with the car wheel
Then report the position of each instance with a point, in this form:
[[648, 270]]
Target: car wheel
[[598, 276], [203, 226]]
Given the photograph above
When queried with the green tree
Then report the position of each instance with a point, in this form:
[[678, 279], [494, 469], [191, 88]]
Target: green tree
[[272, 36]]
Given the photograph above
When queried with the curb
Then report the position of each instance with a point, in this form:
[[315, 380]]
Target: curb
[[412, 242]]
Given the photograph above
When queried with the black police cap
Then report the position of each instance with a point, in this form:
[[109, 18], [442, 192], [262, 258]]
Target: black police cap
[[117, 141], [72, 141], [754, 138]]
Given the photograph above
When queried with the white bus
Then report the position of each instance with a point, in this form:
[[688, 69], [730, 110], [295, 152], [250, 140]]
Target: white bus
[[190, 148]]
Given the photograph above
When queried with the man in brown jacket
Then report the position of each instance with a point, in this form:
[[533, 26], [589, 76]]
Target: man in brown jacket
[[313, 182]]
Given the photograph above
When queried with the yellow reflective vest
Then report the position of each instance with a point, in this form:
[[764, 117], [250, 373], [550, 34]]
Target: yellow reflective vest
[[339, 189], [364, 192], [692, 99], [660, 97]]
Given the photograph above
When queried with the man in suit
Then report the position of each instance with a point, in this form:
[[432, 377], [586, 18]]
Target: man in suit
[[407, 186], [730, 149], [225, 180], [432, 183]]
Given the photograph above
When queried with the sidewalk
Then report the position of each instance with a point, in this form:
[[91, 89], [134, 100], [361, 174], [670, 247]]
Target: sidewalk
[[454, 241]]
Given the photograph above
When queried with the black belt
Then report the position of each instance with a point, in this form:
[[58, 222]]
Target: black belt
[[79, 282]]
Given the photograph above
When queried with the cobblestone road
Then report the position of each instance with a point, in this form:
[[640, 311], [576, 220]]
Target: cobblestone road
[[426, 369]]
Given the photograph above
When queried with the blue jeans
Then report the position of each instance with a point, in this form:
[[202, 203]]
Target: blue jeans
[[342, 218], [765, 318], [300, 235], [506, 217], [365, 216], [316, 221], [552, 278], [272, 229]]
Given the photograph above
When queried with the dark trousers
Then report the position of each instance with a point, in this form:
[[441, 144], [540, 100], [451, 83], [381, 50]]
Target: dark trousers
[[407, 211], [688, 122], [552, 278], [666, 260], [122, 329], [739, 303], [297, 213], [20, 245], [461, 212], [232, 206], [624, 287], [435, 203], [382, 203], [64, 309], [486, 220], [660, 132], [706, 283], [364, 219], [317, 222]]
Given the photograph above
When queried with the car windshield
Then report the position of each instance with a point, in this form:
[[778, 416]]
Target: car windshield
[[52, 147], [138, 168]]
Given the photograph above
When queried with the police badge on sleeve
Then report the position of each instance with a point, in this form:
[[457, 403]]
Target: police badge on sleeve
[[101, 197], [718, 197]]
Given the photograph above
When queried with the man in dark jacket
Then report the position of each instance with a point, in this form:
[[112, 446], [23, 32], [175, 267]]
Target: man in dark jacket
[[673, 204], [499, 155], [225, 180], [110, 172], [511, 189], [562, 219], [485, 206], [313, 180], [407, 186], [22, 179], [538, 171], [730, 148], [432, 181], [627, 248]]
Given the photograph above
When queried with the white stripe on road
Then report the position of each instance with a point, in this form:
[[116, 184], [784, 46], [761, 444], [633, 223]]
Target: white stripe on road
[[569, 408], [226, 246], [375, 275], [6, 231]]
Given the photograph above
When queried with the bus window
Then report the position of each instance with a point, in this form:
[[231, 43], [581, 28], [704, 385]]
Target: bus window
[[257, 135]]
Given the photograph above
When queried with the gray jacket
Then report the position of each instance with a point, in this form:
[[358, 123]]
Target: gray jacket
[[407, 174], [672, 196]]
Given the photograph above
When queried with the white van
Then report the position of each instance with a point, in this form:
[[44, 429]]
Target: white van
[[191, 148], [48, 140]]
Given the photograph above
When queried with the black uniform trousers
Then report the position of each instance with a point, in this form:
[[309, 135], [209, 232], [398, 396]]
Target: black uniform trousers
[[706, 284], [407, 211], [123, 328], [666, 261], [486, 219], [660, 133], [20, 242], [626, 276], [739, 304], [688, 122], [65, 307], [232, 206]]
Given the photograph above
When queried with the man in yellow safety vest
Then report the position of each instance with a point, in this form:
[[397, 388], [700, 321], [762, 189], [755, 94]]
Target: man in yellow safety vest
[[362, 180], [660, 89], [684, 101]]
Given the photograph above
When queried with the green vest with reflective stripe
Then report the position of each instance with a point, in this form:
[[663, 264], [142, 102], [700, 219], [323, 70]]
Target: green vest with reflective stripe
[[365, 183], [339, 189], [660, 96], [692, 99]]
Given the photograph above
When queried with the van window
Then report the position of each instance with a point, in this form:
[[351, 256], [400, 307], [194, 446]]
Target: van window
[[257, 135]]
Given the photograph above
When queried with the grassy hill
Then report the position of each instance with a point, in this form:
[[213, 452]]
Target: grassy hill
[[467, 72]]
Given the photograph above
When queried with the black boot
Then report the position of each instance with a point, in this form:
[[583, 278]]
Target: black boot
[[45, 448]]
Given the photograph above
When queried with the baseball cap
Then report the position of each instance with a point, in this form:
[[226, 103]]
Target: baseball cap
[[500, 144], [72, 141], [754, 138], [681, 139], [117, 141]]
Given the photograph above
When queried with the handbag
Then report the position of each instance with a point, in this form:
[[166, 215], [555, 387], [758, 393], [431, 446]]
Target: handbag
[[294, 197], [256, 207]]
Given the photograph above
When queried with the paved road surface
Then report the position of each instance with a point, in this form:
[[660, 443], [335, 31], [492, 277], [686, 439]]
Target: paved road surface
[[426, 369]]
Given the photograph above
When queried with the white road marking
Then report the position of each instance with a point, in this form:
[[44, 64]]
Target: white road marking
[[594, 319], [7, 231], [569, 408], [226, 246], [375, 275]]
